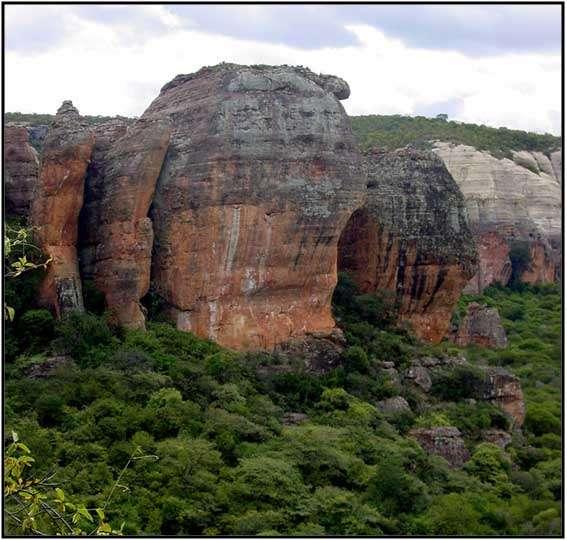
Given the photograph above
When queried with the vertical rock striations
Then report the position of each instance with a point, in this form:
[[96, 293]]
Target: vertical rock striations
[[514, 204], [106, 134], [21, 167], [411, 237], [56, 206], [125, 235], [261, 175]]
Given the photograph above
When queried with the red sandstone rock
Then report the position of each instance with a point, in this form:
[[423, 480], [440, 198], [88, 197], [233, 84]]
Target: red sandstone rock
[[443, 441], [494, 262], [543, 265], [481, 326], [123, 255], [411, 238], [261, 175], [56, 207], [21, 167]]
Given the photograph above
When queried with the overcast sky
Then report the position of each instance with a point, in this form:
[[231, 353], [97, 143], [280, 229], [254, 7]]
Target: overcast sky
[[498, 65]]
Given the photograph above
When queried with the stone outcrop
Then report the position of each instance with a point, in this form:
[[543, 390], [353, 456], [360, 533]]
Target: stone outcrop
[[496, 436], [394, 406], [505, 391], [411, 238], [106, 134], [510, 201], [443, 441], [481, 326], [21, 167], [261, 174], [56, 206], [124, 251]]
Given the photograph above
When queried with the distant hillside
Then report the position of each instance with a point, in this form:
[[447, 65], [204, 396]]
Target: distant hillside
[[35, 119], [396, 131]]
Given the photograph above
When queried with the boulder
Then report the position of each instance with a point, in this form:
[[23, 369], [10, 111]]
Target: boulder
[[394, 405], [56, 206], [505, 391], [498, 437], [481, 326], [443, 441], [411, 238], [49, 367], [21, 169], [419, 375]]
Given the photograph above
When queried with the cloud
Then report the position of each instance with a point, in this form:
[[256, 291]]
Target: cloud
[[475, 30], [105, 71]]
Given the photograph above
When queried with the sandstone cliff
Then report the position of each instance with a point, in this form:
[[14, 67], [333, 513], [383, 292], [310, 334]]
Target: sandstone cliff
[[510, 203], [411, 237], [56, 206], [21, 166], [260, 177]]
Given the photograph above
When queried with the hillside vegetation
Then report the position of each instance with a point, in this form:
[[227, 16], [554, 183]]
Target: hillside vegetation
[[228, 461], [396, 131], [35, 119]]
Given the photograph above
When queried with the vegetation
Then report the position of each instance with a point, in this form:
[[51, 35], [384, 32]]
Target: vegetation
[[397, 131], [35, 119], [229, 461]]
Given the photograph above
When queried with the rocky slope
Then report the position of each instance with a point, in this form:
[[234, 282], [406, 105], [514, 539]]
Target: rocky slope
[[411, 238], [511, 204]]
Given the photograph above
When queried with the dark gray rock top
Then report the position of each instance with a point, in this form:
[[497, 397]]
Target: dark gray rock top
[[413, 195], [268, 78]]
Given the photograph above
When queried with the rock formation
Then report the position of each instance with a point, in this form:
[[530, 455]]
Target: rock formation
[[21, 166], [56, 206], [106, 134], [411, 238], [443, 441], [510, 202], [124, 251], [481, 326], [261, 175], [505, 391]]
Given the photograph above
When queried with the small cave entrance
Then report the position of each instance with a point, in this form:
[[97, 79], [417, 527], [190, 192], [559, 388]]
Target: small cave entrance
[[357, 253]]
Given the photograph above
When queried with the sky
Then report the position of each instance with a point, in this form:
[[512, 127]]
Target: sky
[[498, 65]]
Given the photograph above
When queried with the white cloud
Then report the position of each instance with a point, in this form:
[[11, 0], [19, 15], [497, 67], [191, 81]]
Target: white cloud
[[104, 72]]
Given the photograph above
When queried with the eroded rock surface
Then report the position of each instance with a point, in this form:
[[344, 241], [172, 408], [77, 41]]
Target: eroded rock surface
[[124, 252], [261, 175], [56, 206], [21, 170], [106, 134], [482, 326], [446, 442], [510, 201], [504, 390], [411, 238]]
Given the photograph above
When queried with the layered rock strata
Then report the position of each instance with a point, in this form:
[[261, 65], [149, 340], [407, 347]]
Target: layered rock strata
[[56, 206], [260, 177], [21, 167], [510, 202], [411, 238]]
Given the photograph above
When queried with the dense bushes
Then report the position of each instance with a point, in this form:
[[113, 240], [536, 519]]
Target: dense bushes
[[245, 446], [396, 131]]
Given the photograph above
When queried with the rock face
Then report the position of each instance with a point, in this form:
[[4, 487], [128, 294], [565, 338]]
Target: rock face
[[124, 251], [21, 167], [56, 206], [443, 441], [411, 238], [481, 326], [510, 201], [106, 134], [260, 177]]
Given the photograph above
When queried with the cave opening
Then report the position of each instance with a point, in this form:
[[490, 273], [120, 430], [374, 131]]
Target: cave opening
[[357, 252]]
